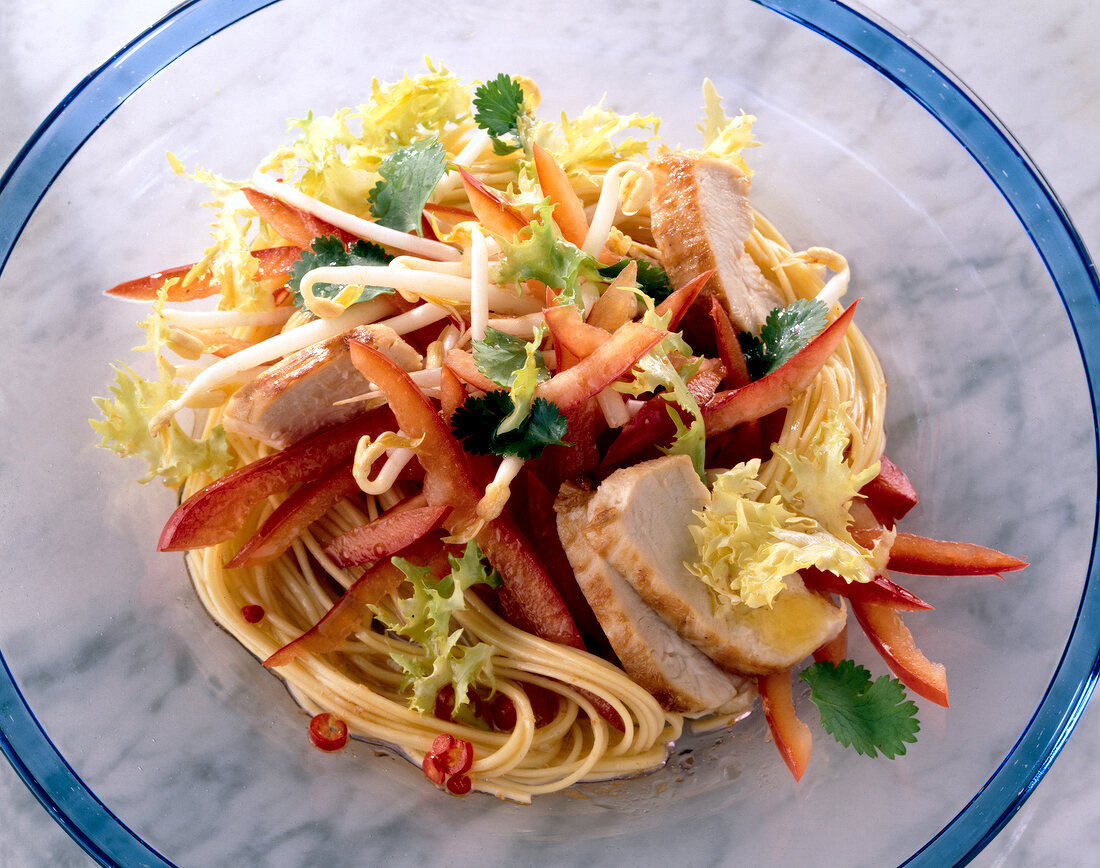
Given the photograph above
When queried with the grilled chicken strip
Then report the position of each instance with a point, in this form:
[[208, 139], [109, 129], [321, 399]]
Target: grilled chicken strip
[[702, 218], [299, 395], [678, 675], [638, 522]]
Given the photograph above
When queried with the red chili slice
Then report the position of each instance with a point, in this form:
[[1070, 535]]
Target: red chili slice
[[328, 732], [433, 770], [455, 755], [252, 614], [459, 785]]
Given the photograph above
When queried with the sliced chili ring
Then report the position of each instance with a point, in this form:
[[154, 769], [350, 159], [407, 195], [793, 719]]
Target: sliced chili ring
[[328, 732]]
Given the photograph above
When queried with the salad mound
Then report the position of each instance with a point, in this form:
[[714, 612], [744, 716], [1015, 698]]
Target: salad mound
[[521, 445]]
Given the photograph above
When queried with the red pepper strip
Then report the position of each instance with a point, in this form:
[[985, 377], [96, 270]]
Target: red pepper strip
[[921, 556], [568, 208], [729, 347], [835, 650], [273, 262], [585, 423], [538, 521], [387, 534], [894, 642], [652, 423], [295, 225], [463, 366], [346, 615], [216, 512], [307, 504], [890, 495], [452, 394], [791, 736], [680, 300], [604, 366], [492, 211], [881, 590], [449, 480], [779, 388], [573, 333], [614, 307]]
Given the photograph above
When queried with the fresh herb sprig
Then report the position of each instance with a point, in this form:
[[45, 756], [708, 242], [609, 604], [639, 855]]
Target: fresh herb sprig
[[329, 250], [407, 178], [499, 110], [785, 331], [870, 716], [475, 423]]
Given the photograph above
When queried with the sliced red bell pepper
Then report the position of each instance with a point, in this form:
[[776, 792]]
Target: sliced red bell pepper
[[779, 388], [890, 495], [463, 366], [572, 333], [881, 590], [922, 556], [307, 504], [216, 512], [593, 374], [346, 615], [729, 347], [389, 533], [449, 480], [680, 300], [792, 737], [893, 640], [568, 208], [273, 263], [835, 650], [295, 225], [492, 211]]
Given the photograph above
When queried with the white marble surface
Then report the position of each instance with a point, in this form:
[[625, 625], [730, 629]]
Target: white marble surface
[[1034, 64]]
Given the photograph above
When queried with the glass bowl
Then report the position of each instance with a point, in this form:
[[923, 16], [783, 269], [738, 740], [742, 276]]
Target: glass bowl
[[154, 739]]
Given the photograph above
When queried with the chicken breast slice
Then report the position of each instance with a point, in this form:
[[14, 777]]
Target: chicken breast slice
[[702, 217], [678, 675], [638, 522], [298, 395]]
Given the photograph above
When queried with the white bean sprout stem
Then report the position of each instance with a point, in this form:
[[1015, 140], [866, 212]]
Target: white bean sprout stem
[[604, 215], [351, 223]]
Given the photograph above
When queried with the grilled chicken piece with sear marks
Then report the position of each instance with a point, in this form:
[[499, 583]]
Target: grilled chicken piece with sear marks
[[298, 395]]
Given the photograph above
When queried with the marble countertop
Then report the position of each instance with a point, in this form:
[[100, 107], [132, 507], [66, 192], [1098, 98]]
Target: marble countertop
[[1034, 65]]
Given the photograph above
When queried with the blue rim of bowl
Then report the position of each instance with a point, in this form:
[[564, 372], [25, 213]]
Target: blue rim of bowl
[[108, 840]]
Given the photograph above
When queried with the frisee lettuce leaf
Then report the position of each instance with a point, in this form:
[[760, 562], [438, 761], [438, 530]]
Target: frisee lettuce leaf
[[172, 454], [823, 485], [545, 257], [746, 547], [424, 617]]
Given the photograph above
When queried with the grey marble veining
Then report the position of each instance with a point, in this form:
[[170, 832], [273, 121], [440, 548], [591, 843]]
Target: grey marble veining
[[1035, 67]]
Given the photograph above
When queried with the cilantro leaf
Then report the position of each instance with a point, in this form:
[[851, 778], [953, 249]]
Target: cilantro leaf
[[652, 279], [785, 331], [475, 423], [407, 178], [498, 109], [869, 716], [329, 250], [500, 355]]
